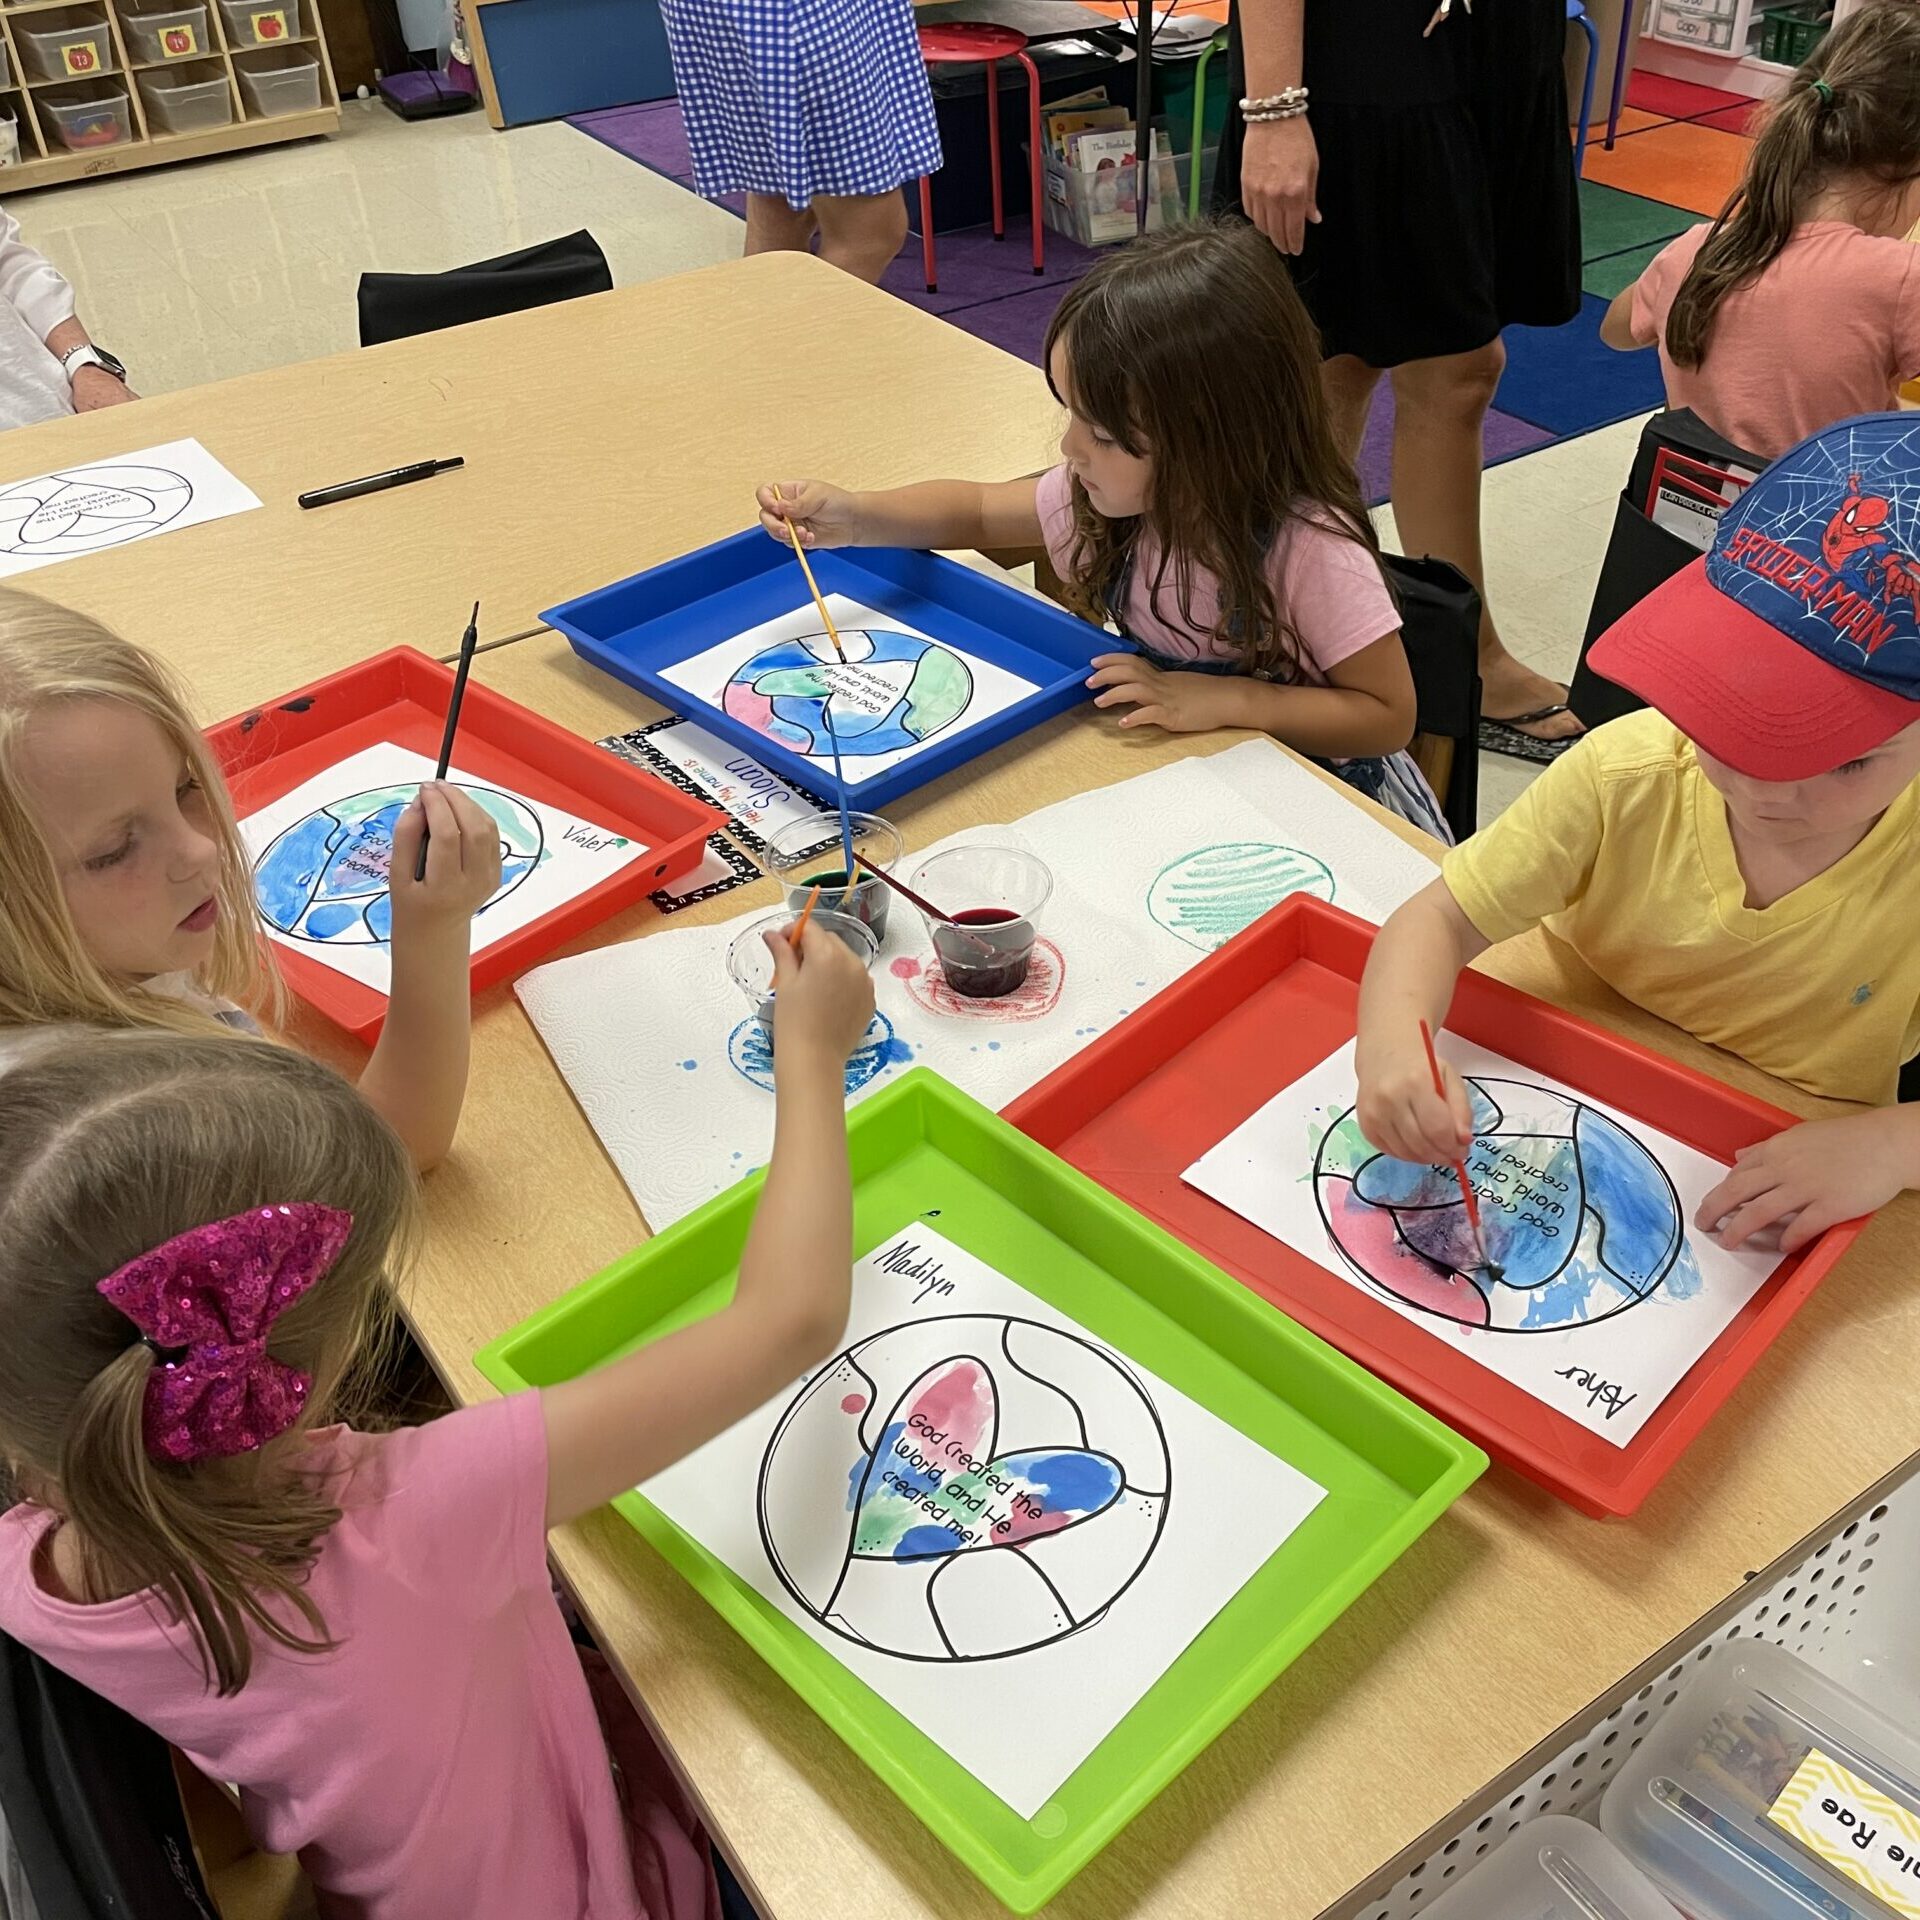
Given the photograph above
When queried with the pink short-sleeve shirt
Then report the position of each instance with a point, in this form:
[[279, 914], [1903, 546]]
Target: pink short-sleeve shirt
[[1330, 586], [445, 1757]]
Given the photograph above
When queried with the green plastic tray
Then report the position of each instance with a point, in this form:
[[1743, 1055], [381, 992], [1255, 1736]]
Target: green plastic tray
[[922, 1146]]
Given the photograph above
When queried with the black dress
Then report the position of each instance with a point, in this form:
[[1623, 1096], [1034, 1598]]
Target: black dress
[[1449, 207]]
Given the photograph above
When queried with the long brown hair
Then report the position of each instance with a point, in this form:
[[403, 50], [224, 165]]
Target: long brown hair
[[1191, 346], [51, 655], [111, 1144], [1852, 108]]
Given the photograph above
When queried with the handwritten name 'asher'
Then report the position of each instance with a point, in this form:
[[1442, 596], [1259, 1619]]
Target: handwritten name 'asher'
[[905, 1258], [1599, 1392]]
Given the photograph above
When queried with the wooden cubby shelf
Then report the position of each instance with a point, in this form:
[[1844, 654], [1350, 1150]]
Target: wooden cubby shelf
[[27, 97]]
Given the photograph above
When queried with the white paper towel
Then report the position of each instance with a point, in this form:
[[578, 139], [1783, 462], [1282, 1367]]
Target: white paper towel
[[661, 1049]]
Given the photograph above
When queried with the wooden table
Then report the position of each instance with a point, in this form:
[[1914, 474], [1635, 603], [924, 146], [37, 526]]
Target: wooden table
[[612, 433]]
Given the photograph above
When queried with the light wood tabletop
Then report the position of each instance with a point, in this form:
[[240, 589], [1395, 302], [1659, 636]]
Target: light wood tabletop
[[611, 434]]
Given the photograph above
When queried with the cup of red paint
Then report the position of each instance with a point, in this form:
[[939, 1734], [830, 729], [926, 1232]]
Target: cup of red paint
[[750, 963], [992, 898], [797, 860]]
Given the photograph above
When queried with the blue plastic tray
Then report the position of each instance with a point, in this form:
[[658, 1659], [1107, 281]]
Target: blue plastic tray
[[638, 627]]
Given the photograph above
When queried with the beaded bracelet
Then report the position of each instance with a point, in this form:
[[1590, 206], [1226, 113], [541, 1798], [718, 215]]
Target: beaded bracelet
[[1297, 112], [1268, 103]]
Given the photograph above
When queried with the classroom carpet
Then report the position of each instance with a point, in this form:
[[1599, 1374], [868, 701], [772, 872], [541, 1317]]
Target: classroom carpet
[[1681, 148]]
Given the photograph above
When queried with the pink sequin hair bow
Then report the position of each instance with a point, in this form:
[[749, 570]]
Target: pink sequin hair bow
[[205, 1302]]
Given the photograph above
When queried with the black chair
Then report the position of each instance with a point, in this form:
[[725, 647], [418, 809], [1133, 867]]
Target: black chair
[[1440, 627], [91, 1803], [394, 306]]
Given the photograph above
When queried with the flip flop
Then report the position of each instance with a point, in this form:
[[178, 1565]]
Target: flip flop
[[1504, 736]]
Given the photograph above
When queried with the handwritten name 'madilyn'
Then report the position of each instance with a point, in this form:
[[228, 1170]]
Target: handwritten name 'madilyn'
[[905, 1259]]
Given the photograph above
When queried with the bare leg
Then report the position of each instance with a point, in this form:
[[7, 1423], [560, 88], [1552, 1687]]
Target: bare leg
[[1439, 406], [1348, 384], [775, 227], [861, 233]]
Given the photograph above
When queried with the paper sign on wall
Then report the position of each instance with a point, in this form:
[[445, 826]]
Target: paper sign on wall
[[1855, 1828], [1606, 1298], [321, 855], [973, 1508]]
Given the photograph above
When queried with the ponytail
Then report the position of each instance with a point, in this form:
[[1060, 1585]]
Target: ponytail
[[218, 1555], [1848, 111]]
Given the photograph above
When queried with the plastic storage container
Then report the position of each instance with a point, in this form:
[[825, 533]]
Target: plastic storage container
[[1096, 206], [1553, 1868], [1791, 33], [6, 66], [261, 23], [1681, 23], [184, 34], [72, 50], [1757, 1780], [81, 120], [280, 83], [191, 101]]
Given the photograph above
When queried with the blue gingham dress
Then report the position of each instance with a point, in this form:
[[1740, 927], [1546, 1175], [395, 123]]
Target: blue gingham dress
[[802, 97]]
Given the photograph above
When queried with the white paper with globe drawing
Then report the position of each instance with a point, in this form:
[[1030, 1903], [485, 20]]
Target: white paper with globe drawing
[[1604, 1296], [1003, 1527], [898, 691], [321, 855], [109, 503]]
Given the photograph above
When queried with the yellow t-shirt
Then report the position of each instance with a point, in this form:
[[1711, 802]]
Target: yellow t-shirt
[[1621, 847]]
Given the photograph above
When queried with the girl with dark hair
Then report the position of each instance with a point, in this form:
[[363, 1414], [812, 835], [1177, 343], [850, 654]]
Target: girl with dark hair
[[1202, 505], [1800, 305]]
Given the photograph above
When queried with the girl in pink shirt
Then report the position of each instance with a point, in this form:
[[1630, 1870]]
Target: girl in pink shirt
[[195, 1241], [1202, 505], [1800, 305]]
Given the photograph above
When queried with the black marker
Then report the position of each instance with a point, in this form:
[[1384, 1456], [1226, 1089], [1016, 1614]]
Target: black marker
[[379, 482], [465, 667]]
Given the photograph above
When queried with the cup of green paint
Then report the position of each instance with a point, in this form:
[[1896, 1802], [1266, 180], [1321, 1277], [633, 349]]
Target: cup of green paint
[[750, 963], [800, 863]]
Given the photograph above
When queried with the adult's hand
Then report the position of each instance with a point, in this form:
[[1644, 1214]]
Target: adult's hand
[[95, 387], [1279, 180]]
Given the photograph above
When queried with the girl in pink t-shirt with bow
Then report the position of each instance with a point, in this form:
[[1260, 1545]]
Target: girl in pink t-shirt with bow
[[1201, 505], [1800, 305], [358, 1629]]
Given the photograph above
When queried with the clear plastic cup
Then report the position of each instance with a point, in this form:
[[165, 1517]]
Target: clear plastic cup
[[751, 965], [788, 860], [992, 897]]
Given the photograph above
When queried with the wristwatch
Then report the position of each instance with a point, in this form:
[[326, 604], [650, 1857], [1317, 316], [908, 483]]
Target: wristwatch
[[92, 356]]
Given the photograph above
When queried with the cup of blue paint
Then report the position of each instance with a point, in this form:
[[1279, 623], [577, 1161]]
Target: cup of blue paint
[[796, 858], [750, 964]]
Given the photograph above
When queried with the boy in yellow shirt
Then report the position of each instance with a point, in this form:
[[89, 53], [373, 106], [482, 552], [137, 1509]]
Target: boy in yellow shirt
[[1744, 860]]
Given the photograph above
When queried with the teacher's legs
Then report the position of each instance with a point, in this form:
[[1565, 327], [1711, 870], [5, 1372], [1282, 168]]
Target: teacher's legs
[[1440, 406], [860, 233]]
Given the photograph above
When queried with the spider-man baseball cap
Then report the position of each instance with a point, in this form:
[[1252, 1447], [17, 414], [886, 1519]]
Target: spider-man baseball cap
[[1793, 646]]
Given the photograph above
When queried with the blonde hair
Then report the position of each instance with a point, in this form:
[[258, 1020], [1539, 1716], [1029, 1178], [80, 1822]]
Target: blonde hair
[[110, 1145], [50, 654]]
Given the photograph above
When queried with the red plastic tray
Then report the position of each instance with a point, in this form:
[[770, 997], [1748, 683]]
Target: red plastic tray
[[1155, 1092], [402, 696]]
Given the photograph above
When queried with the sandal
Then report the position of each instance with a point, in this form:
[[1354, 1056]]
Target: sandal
[[1504, 736]]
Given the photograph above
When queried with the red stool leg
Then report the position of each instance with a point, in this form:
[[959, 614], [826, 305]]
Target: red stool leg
[[993, 148], [926, 233], [1036, 164]]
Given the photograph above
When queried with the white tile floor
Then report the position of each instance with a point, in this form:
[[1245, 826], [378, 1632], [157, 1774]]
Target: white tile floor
[[195, 272]]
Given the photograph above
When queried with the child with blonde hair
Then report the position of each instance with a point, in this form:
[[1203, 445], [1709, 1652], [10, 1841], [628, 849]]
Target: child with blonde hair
[[196, 1241], [126, 891], [1800, 305]]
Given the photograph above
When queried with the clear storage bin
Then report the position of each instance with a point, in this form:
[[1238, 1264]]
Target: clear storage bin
[[261, 23], [1097, 207], [191, 101], [280, 83], [1758, 1778], [6, 66], [184, 34], [81, 119], [1553, 1868], [1714, 30], [71, 49]]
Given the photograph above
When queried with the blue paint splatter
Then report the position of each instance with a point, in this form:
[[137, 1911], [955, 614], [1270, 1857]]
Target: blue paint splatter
[[751, 1053], [993, 1046], [855, 1474], [689, 1065], [1683, 1277], [1562, 1302], [1639, 1220]]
